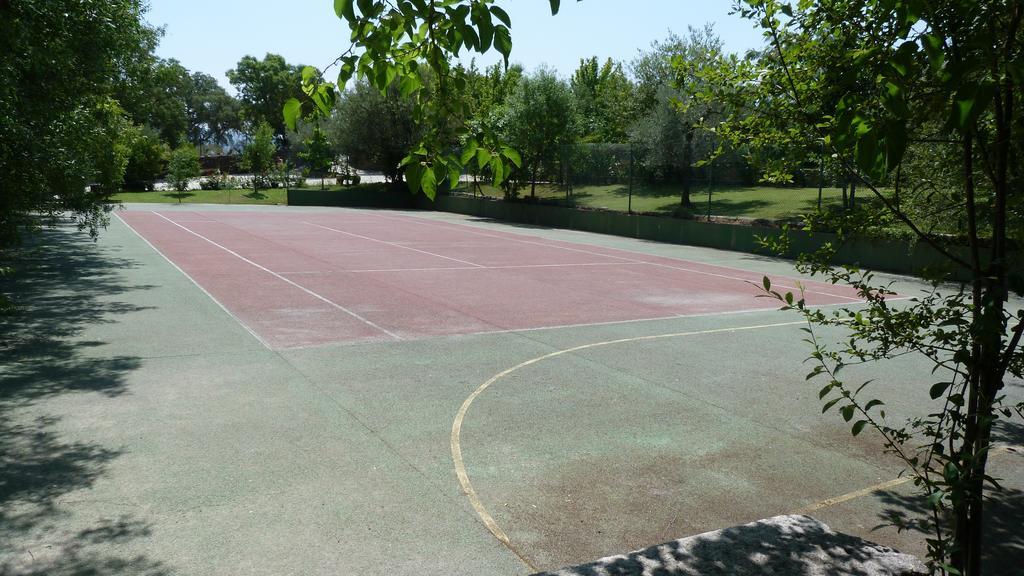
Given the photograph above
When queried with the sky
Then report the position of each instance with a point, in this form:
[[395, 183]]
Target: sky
[[212, 35]]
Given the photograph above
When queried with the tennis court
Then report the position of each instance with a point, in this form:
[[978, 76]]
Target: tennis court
[[271, 390], [301, 279]]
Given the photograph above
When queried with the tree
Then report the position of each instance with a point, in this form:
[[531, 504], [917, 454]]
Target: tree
[[212, 113], [184, 166], [61, 64], [390, 45], [538, 121], [921, 104], [667, 128], [147, 159], [489, 89], [258, 155], [318, 154], [603, 97], [263, 88], [156, 95], [374, 130]]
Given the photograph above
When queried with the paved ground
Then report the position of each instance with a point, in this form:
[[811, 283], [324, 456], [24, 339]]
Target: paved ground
[[146, 431]]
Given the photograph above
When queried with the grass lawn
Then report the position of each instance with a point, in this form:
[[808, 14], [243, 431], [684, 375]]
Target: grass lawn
[[269, 196], [765, 202]]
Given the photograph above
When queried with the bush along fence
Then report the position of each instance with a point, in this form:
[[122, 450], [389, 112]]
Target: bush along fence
[[365, 196], [880, 254]]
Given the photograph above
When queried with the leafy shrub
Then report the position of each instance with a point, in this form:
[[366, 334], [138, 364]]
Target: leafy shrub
[[183, 166], [216, 181], [147, 160]]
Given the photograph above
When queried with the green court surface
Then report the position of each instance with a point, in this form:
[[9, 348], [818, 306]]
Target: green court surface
[[145, 430]]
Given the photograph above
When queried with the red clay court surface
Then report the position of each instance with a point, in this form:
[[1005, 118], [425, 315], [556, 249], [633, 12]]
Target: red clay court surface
[[313, 278]]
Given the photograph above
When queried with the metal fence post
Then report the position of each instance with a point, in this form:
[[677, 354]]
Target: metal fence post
[[630, 207], [710, 164]]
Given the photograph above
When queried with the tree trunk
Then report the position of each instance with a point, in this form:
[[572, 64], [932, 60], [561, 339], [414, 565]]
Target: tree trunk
[[687, 170], [533, 181]]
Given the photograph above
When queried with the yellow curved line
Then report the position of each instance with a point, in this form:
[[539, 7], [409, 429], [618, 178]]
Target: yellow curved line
[[456, 447], [996, 450]]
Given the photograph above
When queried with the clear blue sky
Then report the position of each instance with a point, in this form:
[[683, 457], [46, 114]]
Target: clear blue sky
[[212, 35]]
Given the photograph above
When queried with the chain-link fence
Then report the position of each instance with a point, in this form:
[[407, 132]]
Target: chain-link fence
[[635, 170]]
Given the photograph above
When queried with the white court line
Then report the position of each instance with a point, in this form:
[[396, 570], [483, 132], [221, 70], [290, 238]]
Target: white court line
[[657, 318], [474, 264], [283, 279], [464, 226], [510, 267], [197, 284]]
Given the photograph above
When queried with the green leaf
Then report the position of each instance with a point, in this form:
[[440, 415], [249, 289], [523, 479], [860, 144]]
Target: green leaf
[[512, 156], [933, 47], [830, 404], [555, 4], [292, 107], [501, 15], [428, 182], [498, 169], [895, 101], [895, 146], [938, 390], [309, 74], [469, 153], [343, 8], [848, 411], [951, 473], [414, 175], [869, 156], [453, 176], [968, 104], [482, 157], [872, 404], [767, 283], [503, 41], [486, 27], [410, 83], [858, 426]]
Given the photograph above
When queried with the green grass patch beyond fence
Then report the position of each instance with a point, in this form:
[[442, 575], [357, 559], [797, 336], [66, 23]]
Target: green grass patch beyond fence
[[757, 202], [247, 196]]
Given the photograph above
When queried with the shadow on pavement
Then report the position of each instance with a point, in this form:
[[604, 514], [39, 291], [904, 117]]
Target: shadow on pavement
[[62, 284], [790, 545], [1004, 512]]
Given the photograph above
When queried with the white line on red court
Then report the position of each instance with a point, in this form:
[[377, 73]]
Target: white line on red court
[[286, 280], [395, 244], [633, 260], [197, 284], [509, 267]]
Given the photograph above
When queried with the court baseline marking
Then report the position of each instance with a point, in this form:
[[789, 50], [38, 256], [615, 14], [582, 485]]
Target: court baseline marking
[[286, 280]]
